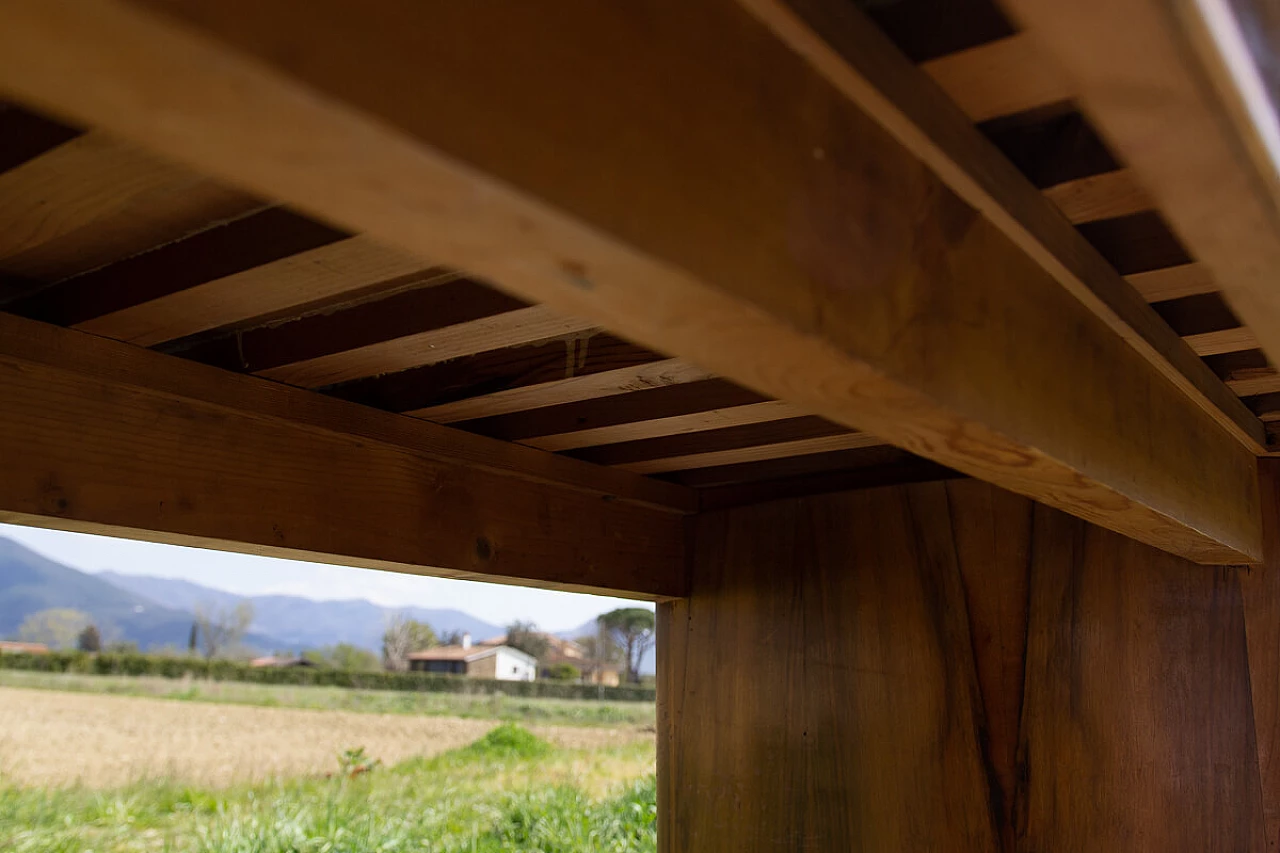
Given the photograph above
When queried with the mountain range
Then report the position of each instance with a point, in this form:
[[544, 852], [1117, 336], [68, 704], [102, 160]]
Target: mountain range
[[155, 612]]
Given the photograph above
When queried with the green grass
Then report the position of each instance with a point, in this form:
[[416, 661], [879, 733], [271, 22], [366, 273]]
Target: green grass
[[509, 791], [496, 707]]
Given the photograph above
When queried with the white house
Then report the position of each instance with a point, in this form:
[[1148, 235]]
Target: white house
[[502, 663]]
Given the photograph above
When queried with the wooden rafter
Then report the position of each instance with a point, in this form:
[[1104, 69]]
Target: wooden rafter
[[726, 207], [1166, 87], [99, 436]]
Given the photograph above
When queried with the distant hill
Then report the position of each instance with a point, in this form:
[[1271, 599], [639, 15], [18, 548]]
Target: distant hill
[[301, 623], [30, 582]]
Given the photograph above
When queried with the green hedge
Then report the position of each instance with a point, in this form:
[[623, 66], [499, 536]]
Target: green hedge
[[225, 670]]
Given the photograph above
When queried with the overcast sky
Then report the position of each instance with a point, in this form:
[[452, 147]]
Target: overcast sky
[[248, 575]]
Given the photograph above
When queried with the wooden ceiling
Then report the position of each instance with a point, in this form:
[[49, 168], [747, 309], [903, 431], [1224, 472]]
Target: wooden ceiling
[[104, 237]]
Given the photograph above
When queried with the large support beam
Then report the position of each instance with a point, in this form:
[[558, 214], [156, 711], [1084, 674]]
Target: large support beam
[[1187, 93], [733, 207], [950, 667], [98, 436]]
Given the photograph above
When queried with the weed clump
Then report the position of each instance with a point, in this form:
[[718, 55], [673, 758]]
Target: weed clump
[[508, 742]]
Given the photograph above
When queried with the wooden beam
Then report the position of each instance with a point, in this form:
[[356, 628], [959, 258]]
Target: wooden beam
[[999, 78], [742, 224], [1173, 282], [654, 374], [1104, 196], [1170, 90], [96, 200], [98, 436]]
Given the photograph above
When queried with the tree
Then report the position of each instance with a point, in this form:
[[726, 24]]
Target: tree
[[58, 627], [89, 640], [564, 672], [632, 628], [526, 637], [404, 636], [452, 638], [220, 627]]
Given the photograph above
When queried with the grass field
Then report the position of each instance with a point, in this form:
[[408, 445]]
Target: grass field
[[83, 771], [497, 707]]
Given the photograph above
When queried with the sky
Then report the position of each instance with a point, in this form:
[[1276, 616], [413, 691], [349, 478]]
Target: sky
[[249, 575]]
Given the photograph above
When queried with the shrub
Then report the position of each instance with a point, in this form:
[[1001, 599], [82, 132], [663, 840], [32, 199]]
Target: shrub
[[110, 663]]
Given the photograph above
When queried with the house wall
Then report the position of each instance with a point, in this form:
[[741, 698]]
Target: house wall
[[485, 667], [511, 667], [950, 667]]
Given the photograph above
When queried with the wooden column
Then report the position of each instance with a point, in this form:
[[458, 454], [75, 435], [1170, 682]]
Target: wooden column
[[950, 667]]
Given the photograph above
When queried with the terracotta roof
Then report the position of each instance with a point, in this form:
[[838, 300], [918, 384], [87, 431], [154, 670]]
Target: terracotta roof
[[454, 653], [23, 648]]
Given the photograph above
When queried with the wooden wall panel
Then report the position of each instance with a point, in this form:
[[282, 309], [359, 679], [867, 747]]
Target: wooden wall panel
[[820, 685], [1137, 726], [1261, 585], [949, 666]]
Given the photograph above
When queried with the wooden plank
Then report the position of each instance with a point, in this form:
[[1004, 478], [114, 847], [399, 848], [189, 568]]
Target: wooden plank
[[1137, 725], [85, 456], [777, 450], [344, 268], [116, 364], [622, 410], [1173, 282], [749, 279], [654, 374], [789, 425], [418, 319], [499, 371], [95, 200], [818, 689], [1227, 340], [509, 329], [1104, 196], [1257, 380], [225, 249], [999, 78], [694, 423], [1260, 587], [1173, 98]]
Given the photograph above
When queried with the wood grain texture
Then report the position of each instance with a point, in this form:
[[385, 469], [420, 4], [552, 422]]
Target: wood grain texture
[[992, 530], [697, 422], [345, 267], [856, 59], [1102, 196], [819, 689], [574, 389], [95, 200], [1159, 87], [1137, 726], [1173, 282], [801, 285], [84, 455], [1261, 590], [224, 249], [118, 364], [1224, 341], [999, 78], [952, 667], [517, 379]]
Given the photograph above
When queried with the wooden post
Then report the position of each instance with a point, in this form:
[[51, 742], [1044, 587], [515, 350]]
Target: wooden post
[[950, 667]]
